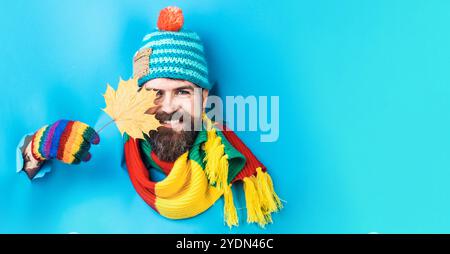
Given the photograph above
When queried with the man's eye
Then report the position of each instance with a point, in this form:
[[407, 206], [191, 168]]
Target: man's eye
[[183, 92], [158, 93]]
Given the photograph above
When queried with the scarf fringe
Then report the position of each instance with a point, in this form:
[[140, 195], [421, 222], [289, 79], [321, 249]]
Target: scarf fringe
[[254, 211], [229, 212], [216, 170], [270, 201], [261, 199]]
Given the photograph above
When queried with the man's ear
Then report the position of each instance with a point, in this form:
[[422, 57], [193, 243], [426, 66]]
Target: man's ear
[[205, 93]]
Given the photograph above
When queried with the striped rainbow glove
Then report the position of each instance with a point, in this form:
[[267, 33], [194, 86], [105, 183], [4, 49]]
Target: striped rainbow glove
[[65, 140]]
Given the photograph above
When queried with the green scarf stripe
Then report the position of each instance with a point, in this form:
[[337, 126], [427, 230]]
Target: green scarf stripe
[[196, 152], [125, 138]]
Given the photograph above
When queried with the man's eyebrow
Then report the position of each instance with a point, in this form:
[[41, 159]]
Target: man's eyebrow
[[185, 87], [178, 88], [152, 89]]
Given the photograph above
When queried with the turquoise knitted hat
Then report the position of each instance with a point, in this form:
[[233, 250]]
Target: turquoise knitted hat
[[171, 52]]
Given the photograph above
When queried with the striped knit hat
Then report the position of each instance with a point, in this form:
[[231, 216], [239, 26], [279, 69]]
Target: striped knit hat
[[171, 52]]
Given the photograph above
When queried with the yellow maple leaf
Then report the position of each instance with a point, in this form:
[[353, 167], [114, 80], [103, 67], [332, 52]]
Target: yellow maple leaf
[[127, 107]]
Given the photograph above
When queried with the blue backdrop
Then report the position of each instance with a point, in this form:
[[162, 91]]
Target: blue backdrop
[[364, 110]]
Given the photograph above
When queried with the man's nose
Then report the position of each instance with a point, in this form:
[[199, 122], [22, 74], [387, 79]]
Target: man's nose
[[168, 104]]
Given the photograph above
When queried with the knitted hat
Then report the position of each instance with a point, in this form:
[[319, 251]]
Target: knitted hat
[[171, 52]]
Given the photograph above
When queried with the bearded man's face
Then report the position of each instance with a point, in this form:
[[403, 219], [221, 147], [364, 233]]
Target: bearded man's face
[[179, 108]]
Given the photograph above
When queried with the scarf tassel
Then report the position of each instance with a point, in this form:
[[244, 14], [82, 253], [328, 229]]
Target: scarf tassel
[[229, 211], [216, 170], [261, 199]]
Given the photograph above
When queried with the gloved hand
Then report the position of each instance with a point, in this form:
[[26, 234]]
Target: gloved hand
[[65, 140]]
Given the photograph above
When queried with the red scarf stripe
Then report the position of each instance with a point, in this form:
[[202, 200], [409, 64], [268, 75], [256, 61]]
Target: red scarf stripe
[[252, 162], [137, 167], [164, 165], [148, 197], [139, 174]]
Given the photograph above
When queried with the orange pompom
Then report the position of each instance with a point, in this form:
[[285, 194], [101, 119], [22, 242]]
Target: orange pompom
[[170, 19]]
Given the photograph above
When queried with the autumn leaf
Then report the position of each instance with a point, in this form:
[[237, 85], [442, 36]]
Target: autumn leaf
[[127, 107]]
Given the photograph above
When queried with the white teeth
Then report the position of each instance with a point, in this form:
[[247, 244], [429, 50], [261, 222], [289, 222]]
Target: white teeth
[[171, 122]]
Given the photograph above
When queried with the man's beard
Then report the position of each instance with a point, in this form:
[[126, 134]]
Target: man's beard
[[168, 144]]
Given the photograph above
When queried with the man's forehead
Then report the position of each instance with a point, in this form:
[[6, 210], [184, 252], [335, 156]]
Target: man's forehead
[[168, 84]]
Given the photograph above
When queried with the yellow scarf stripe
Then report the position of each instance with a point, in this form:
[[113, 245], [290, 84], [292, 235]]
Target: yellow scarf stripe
[[175, 181], [189, 184], [196, 190]]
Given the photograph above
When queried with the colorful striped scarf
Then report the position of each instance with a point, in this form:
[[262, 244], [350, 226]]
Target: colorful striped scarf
[[199, 177]]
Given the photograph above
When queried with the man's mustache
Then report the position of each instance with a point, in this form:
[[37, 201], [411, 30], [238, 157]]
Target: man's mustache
[[163, 116]]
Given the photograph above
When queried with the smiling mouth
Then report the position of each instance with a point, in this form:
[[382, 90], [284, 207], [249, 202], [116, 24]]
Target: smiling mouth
[[171, 123]]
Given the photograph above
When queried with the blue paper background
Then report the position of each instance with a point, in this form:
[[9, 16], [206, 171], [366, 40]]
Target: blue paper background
[[364, 111]]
